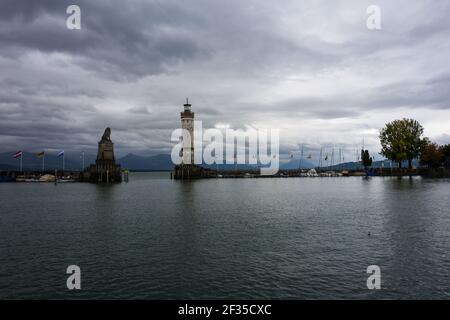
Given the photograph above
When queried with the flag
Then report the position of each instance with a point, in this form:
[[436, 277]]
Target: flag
[[61, 153], [309, 156], [18, 154], [40, 155], [292, 155], [326, 158]]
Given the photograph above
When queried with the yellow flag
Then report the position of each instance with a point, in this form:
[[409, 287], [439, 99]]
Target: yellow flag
[[40, 154]]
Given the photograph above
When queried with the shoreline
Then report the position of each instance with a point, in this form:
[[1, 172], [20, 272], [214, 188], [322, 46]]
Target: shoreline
[[72, 176]]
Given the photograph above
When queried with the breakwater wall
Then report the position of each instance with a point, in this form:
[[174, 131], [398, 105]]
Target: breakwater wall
[[190, 172], [66, 175]]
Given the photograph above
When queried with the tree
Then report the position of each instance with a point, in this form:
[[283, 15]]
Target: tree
[[402, 140], [445, 149], [366, 159], [432, 155]]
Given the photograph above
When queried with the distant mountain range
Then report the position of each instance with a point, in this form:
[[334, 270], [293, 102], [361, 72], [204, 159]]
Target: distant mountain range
[[160, 162], [376, 164]]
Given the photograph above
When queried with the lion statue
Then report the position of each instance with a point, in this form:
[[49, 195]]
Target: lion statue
[[107, 135]]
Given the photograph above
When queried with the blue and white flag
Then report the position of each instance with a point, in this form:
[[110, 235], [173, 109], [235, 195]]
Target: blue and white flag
[[61, 153]]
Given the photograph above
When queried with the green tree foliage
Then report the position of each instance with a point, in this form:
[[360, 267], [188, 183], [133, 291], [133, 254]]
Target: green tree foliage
[[446, 150], [402, 140], [366, 158], [432, 155]]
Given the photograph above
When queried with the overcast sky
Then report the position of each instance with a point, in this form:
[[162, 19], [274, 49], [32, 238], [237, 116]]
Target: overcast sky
[[310, 68]]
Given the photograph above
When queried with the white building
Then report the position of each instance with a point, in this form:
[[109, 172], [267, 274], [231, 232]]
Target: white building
[[187, 123]]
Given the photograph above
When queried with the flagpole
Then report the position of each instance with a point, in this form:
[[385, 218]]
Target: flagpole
[[43, 163], [301, 158], [320, 158], [82, 168], [21, 156], [217, 166], [332, 159]]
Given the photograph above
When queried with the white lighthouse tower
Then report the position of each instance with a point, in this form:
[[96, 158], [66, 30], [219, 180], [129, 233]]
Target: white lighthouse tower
[[187, 123]]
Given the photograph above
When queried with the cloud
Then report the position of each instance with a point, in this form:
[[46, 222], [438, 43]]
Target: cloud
[[310, 68], [117, 39]]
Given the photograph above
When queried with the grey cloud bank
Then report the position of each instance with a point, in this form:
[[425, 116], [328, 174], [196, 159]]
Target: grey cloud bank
[[310, 68]]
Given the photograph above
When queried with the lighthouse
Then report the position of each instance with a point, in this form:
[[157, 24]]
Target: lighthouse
[[187, 123]]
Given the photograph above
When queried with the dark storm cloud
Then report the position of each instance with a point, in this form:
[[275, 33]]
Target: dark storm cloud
[[432, 93], [117, 39], [333, 107], [125, 40], [133, 63]]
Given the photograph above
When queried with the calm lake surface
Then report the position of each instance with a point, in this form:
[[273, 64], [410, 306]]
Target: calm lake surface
[[294, 238]]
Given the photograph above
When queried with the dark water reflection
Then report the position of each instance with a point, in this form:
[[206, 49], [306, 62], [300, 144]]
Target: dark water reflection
[[154, 238]]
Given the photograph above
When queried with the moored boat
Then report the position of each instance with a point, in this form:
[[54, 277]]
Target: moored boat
[[47, 178]]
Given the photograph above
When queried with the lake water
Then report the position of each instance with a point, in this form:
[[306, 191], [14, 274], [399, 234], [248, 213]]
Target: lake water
[[293, 238]]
